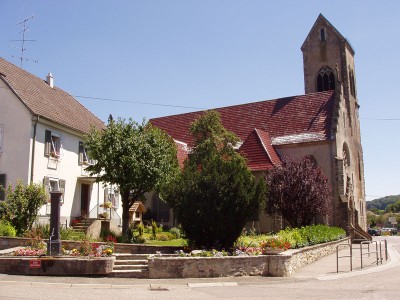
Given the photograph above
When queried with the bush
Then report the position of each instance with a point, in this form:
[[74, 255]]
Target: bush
[[176, 232], [311, 235], [165, 236], [140, 229], [22, 205], [6, 229]]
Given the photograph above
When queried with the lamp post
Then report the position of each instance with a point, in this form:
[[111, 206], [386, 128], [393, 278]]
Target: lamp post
[[54, 244]]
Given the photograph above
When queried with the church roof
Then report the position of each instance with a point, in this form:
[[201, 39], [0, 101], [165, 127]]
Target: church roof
[[262, 125], [50, 103]]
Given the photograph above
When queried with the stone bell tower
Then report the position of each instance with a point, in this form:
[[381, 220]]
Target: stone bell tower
[[328, 60]]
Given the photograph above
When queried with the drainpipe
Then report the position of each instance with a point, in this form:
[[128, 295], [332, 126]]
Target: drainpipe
[[33, 148]]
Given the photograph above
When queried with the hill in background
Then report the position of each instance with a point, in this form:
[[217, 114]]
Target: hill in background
[[381, 203]]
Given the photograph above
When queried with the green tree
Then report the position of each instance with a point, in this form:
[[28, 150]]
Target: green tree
[[299, 191], [215, 194], [371, 219], [22, 205], [135, 157]]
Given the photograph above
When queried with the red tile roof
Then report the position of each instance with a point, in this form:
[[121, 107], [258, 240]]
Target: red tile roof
[[260, 125], [258, 151], [50, 103], [299, 118]]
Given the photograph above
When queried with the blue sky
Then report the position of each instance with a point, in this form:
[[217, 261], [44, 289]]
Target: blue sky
[[157, 58]]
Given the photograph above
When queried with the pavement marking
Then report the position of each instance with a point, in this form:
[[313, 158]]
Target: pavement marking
[[394, 262], [211, 284]]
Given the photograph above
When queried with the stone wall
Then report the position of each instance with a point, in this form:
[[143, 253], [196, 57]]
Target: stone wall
[[56, 266], [281, 265], [12, 242]]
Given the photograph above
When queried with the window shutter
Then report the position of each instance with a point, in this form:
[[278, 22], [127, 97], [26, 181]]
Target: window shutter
[[80, 155], [62, 189], [116, 200], [105, 194], [47, 143], [2, 186], [46, 184]]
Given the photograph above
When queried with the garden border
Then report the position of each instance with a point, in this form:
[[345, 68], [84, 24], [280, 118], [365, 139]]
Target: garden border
[[280, 265]]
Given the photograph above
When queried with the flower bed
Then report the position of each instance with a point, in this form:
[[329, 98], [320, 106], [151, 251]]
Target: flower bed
[[278, 265]]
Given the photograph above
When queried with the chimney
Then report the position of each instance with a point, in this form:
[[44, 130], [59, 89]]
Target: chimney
[[50, 80]]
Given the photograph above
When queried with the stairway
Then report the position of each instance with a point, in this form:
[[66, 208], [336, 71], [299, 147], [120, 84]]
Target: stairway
[[130, 266], [82, 225]]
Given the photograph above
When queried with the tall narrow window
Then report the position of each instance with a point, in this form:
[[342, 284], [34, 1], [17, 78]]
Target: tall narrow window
[[325, 79], [322, 35]]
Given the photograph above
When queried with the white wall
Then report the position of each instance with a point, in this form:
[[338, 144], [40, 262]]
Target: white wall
[[16, 122]]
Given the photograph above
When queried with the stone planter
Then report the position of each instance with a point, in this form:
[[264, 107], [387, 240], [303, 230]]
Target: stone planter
[[56, 266]]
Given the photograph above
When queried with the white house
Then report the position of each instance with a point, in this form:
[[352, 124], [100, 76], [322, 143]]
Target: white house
[[41, 141]]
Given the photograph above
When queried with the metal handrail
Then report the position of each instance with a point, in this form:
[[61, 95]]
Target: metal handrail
[[350, 256], [369, 252]]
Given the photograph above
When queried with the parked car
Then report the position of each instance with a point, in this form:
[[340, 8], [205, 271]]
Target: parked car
[[373, 232], [386, 231]]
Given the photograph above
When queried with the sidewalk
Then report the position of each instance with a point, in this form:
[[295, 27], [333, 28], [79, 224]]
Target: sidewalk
[[326, 267]]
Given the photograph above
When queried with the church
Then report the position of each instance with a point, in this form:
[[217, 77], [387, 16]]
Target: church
[[324, 123]]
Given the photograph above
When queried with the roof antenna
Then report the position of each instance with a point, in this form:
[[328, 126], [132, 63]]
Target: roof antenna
[[25, 28]]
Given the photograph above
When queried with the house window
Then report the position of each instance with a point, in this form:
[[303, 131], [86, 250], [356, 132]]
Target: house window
[[2, 186], [84, 158], [325, 79], [52, 184], [137, 215], [322, 35], [1, 138], [111, 195], [53, 146]]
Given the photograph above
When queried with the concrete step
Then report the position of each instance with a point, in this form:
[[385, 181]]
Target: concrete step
[[125, 256], [129, 274], [131, 267], [131, 262]]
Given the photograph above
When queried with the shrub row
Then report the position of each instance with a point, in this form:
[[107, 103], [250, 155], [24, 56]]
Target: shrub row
[[311, 235]]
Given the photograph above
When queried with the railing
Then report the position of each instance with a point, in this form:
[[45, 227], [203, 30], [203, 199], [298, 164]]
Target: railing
[[112, 214], [369, 251], [379, 252], [343, 256]]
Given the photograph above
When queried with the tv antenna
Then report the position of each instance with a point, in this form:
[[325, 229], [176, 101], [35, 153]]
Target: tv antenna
[[25, 28]]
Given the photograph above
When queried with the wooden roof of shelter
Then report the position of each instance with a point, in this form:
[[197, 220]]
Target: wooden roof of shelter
[[138, 206]]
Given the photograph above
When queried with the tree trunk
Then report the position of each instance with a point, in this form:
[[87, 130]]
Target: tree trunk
[[125, 212]]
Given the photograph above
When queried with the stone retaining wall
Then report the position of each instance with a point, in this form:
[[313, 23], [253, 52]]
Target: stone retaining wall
[[12, 242], [56, 266], [281, 265]]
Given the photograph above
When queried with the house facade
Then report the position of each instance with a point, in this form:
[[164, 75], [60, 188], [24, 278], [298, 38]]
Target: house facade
[[41, 141], [323, 123]]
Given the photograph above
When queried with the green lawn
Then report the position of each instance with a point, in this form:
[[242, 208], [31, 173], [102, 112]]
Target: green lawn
[[176, 242]]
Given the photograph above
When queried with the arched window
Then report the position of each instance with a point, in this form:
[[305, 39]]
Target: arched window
[[325, 79]]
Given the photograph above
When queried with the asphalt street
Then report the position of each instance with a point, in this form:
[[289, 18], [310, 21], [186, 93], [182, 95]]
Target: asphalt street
[[318, 280]]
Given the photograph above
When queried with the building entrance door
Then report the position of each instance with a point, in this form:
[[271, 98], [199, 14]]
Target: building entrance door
[[85, 199]]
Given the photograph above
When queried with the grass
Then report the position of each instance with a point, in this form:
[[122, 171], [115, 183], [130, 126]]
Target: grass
[[176, 242]]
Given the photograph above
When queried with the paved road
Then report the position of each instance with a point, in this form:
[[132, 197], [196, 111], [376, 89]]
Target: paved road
[[316, 281]]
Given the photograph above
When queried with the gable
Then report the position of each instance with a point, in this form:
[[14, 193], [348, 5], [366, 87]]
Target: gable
[[259, 152], [323, 22], [49, 103]]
